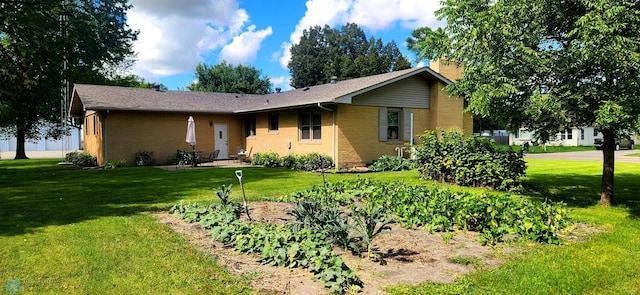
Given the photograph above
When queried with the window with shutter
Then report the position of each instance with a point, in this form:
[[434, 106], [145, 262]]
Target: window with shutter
[[394, 125]]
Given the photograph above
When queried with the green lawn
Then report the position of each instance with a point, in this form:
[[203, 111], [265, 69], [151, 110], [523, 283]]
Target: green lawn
[[604, 264], [558, 149], [64, 230]]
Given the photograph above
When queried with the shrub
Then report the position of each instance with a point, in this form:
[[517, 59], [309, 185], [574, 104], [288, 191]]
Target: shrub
[[145, 158], [290, 162], [81, 159], [268, 159], [391, 163], [448, 156], [184, 158], [115, 164], [314, 161], [308, 162]]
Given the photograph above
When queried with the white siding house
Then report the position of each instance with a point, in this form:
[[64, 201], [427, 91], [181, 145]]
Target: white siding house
[[579, 136]]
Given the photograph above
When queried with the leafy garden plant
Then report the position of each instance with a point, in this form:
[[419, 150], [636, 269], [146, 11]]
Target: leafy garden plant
[[224, 194], [391, 163], [370, 223], [440, 209], [447, 156], [276, 245]]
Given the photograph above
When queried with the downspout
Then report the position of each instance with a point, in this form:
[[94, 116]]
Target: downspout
[[333, 136]]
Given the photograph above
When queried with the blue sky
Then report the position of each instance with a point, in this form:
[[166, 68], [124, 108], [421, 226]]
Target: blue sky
[[175, 35]]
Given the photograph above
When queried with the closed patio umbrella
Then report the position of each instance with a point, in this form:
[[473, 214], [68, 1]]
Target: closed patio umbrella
[[191, 138]]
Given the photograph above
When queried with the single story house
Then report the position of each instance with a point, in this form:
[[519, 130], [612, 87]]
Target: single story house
[[353, 121], [576, 136]]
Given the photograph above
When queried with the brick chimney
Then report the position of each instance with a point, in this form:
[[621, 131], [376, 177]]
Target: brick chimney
[[452, 71]]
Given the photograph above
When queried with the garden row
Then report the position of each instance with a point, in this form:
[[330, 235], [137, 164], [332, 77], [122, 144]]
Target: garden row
[[351, 214], [276, 244], [494, 216]]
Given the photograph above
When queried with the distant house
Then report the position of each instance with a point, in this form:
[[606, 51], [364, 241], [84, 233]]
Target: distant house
[[70, 142], [577, 136], [353, 121]]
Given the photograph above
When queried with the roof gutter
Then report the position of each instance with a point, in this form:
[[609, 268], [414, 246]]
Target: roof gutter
[[333, 135]]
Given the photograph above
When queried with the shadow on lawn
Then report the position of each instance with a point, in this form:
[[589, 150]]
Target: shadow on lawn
[[579, 190], [41, 193]]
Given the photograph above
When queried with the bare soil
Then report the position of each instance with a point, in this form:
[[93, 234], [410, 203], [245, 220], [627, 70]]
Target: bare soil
[[407, 256]]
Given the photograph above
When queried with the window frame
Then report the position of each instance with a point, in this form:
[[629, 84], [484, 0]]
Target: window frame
[[314, 128], [250, 126], [394, 127], [403, 125], [271, 120]]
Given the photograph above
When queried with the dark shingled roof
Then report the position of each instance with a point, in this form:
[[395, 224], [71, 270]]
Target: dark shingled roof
[[96, 97], [99, 97]]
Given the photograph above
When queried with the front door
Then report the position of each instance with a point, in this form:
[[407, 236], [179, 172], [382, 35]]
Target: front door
[[221, 140]]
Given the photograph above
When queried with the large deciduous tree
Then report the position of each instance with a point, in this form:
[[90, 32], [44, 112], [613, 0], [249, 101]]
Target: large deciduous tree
[[228, 78], [545, 64], [324, 52], [46, 46]]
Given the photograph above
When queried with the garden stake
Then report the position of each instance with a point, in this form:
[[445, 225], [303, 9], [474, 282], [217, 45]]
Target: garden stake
[[244, 198]]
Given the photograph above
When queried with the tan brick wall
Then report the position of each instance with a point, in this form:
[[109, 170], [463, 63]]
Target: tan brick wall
[[288, 131], [93, 136], [358, 142], [162, 133], [447, 112], [451, 71]]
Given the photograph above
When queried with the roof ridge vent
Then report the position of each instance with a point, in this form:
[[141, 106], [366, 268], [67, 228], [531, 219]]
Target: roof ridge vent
[[334, 79]]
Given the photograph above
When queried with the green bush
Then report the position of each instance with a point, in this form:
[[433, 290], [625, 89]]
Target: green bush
[[145, 158], [115, 164], [185, 158], [391, 163], [308, 162], [447, 156], [314, 161], [268, 159], [290, 162], [81, 159]]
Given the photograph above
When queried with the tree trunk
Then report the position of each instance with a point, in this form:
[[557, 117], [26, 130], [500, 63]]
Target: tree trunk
[[608, 162], [20, 140]]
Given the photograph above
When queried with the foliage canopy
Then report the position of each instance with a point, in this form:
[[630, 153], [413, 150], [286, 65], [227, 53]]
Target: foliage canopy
[[228, 78], [544, 65], [346, 53], [44, 44]]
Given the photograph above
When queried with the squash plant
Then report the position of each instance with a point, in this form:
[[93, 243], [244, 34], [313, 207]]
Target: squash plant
[[277, 245]]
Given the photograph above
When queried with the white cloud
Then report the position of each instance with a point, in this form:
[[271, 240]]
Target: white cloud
[[372, 15], [380, 14], [283, 82], [174, 34], [244, 47]]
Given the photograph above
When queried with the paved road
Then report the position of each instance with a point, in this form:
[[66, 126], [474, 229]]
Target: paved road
[[594, 155]]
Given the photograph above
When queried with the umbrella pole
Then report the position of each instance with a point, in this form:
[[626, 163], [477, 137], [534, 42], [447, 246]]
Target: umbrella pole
[[244, 197], [193, 156]]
